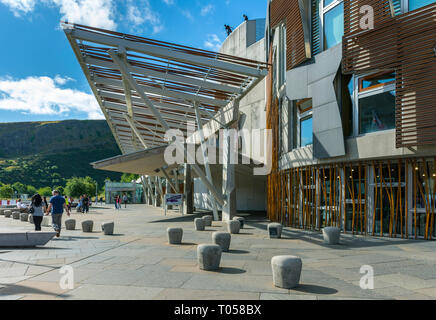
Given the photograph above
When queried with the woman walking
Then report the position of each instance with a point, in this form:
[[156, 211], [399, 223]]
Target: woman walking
[[38, 207]]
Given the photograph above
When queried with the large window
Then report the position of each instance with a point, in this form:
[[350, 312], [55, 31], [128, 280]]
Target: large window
[[304, 122], [375, 96], [416, 4], [327, 24]]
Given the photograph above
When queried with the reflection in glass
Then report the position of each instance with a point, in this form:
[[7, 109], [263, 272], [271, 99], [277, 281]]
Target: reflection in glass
[[377, 112], [415, 4], [306, 136], [377, 80], [333, 26]]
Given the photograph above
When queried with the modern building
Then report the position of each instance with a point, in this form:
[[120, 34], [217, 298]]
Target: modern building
[[133, 191], [352, 104], [344, 89]]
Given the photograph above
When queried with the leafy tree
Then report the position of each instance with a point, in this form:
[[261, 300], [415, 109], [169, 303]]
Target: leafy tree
[[31, 190], [6, 191], [46, 191], [60, 189], [19, 187], [77, 186], [128, 177]]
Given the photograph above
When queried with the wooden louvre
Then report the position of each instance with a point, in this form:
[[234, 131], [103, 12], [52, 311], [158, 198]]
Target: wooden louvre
[[405, 44], [288, 11]]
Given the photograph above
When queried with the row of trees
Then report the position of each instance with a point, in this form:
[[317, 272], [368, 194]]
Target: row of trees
[[74, 188]]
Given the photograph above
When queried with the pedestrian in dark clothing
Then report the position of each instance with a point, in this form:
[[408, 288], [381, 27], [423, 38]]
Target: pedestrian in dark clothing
[[85, 203], [37, 208], [56, 207]]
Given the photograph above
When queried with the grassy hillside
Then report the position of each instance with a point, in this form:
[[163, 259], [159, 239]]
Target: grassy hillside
[[47, 153]]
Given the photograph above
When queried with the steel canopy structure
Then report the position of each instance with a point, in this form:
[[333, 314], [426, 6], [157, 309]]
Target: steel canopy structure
[[146, 87], [173, 78]]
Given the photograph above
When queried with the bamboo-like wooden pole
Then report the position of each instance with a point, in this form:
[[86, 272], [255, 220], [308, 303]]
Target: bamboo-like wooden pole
[[375, 198], [406, 196], [433, 198], [414, 193], [366, 199], [381, 199]]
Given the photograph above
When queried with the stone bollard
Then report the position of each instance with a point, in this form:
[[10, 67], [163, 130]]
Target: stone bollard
[[31, 219], [8, 213], [241, 221], [2, 212], [331, 235], [70, 224], [209, 256], [222, 239], [199, 224], [286, 271], [108, 228], [275, 230], [207, 221], [24, 217], [87, 225], [233, 226], [45, 221], [175, 235], [16, 215]]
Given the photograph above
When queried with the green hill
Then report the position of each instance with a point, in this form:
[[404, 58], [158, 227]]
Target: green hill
[[47, 153]]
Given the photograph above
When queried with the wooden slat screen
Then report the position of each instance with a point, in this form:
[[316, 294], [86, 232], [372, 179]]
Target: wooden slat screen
[[288, 11], [404, 44]]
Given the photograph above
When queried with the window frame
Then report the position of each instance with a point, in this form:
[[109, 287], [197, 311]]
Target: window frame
[[357, 94], [302, 115], [322, 11], [405, 6]]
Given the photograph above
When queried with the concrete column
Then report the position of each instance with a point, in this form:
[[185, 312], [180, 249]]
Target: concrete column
[[156, 193], [229, 183], [188, 207]]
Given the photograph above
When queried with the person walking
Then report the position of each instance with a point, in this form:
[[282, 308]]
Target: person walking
[[67, 202], [116, 202], [56, 207], [125, 200], [37, 209], [85, 203], [79, 205]]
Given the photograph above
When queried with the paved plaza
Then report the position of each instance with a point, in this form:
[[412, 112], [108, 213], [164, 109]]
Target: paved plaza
[[138, 263]]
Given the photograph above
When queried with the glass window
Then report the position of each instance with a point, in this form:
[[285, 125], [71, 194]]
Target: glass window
[[415, 4], [375, 81], [333, 26], [306, 136], [377, 112], [327, 2]]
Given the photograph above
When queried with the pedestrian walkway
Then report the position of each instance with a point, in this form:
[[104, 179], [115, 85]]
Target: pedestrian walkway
[[138, 263]]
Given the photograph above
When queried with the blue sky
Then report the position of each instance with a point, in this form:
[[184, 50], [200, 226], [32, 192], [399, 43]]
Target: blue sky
[[40, 78]]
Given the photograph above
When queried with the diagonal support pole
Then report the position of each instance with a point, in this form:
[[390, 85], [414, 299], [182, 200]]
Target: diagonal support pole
[[122, 65], [168, 179]]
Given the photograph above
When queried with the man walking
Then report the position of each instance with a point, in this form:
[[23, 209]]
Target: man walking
[[56, 207], [125, 199], [85, 203]]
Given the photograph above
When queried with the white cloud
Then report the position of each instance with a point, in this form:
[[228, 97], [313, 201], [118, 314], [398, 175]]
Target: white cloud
[[19, 7], [169, 2], [138, 16], [43, 95], [95, 13], [207, 9], [187, 14], [213, 42]]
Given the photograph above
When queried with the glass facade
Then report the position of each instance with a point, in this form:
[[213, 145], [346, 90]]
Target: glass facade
[[333, 26], [415, 4], [306, 136], [377, 112]]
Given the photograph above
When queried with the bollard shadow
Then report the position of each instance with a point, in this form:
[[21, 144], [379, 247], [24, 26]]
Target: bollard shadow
[[245, 233], [235, 251], [229, 270], [186, 244], [17, 289], [314, 289]]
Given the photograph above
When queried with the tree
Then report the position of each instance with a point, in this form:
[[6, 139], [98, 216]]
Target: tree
[[128, 177], [31, 190], [60, 189], [77, 186], [20, 188], [45, 192], [6, 191]]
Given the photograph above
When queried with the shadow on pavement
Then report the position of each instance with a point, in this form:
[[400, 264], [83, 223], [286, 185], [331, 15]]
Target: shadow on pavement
[[311, 288]]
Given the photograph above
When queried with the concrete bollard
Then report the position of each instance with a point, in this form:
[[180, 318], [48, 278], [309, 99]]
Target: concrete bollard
[[241, 221], [233, 226], [108, 228], [208, 221], [331, 235], [87, 225], [24, 217], [70, 224], [199, 224], [275, 230], [175, 235], [286, 271], [16, 215], [8, 213], [46, 221], [209, 256], [222, 239], [31, 219], [2, 212]]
